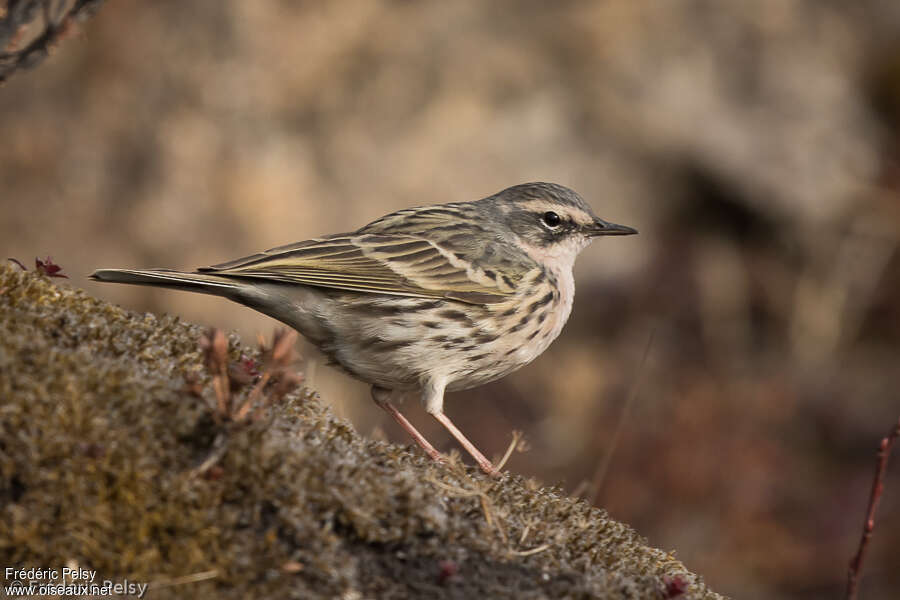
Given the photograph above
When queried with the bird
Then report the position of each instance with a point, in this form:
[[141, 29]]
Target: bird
[[424, 300]]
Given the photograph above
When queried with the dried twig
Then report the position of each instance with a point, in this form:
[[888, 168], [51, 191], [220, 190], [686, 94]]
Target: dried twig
[[184, 579], [884, 451], [231, 378], [593, 490], [17, 262], [215, 348], [516, 438], [484, 499], [57, 24], [537, 550], [219, 447]]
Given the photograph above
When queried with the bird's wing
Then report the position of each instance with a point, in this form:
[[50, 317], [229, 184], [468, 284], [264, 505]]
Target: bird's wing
[[392, 264]]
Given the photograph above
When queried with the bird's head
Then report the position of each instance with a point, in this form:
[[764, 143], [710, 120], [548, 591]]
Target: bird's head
[[550, 222]]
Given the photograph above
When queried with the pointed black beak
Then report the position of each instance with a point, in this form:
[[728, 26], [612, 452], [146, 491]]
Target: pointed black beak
[[601, 227]]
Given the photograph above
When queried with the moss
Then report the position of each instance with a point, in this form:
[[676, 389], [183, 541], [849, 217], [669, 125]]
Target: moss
[[98, 439]]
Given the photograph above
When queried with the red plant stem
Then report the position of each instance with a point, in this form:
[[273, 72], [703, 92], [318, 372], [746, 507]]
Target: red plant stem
[[884, 451]]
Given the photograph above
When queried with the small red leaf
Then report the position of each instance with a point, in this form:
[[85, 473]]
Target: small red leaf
[[49, 268], [675, 586]]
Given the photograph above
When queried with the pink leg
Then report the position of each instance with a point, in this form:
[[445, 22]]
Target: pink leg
[[380, 396], [483, 462]]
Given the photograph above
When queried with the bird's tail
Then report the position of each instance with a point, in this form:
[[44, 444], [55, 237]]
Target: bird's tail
[[194, 282]]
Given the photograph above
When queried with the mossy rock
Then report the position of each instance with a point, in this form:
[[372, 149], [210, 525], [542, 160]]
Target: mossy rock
[[100, 441]]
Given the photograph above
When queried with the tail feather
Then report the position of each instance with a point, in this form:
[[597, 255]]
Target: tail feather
[[195, 282]]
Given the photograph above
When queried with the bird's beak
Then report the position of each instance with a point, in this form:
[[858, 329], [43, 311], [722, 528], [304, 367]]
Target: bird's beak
[[601, 227]]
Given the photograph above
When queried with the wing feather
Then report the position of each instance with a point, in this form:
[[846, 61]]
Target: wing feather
[[391, 264]]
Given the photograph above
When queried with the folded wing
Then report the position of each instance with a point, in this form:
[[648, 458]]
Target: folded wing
[[391, 264]]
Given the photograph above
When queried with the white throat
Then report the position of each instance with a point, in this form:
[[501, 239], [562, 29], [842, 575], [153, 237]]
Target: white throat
[[559, 260]]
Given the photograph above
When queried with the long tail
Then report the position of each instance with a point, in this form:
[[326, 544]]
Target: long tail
[[194, 282]]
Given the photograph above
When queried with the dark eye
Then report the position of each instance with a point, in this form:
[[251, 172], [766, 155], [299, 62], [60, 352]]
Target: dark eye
[[551, 219]]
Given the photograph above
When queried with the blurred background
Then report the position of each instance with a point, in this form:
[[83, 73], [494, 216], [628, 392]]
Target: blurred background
[[756, 146]]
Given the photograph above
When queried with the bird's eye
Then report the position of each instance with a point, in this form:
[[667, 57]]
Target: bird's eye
[[551, 219]]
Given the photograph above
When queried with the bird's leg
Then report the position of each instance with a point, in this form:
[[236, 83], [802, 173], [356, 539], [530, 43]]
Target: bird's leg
[[380, 396], [480, 458], [433, 398]]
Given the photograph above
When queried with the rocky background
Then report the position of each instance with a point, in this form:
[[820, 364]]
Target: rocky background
[[755, 145]]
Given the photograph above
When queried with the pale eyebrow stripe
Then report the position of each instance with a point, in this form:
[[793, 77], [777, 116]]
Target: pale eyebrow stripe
[[543, 205]]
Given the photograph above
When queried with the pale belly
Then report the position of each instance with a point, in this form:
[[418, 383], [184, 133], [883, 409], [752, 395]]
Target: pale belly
[[402, 343]]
